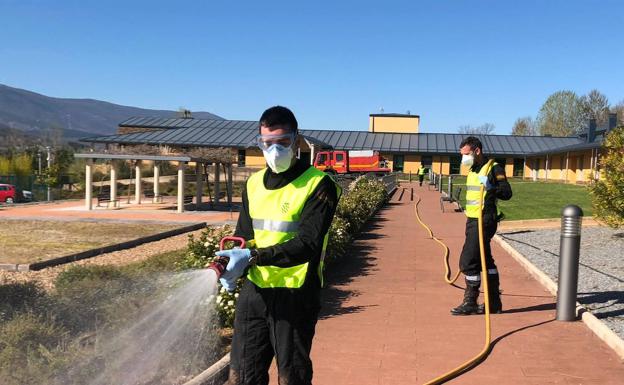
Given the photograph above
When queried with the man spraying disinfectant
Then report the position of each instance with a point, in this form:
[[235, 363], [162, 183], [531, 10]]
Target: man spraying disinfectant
[[287, 210], [492, 177]]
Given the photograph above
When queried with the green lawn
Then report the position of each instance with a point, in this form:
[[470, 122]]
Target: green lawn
[[536, 200]]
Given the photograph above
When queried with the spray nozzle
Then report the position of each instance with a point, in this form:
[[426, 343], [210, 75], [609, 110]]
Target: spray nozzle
[[219, 264]]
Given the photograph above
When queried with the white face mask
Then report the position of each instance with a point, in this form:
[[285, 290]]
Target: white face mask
[[278, 157], [467, 160]]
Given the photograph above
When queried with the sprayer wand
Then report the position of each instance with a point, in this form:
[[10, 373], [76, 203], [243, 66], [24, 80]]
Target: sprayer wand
[[219, 264]]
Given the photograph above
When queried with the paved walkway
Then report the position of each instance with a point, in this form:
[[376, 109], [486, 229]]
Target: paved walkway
[[387, 321]]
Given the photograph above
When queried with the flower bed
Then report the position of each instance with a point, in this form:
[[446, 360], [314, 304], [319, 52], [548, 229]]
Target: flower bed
[[361, 200]]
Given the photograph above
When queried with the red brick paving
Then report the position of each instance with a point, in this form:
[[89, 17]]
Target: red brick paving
[[387, 321]]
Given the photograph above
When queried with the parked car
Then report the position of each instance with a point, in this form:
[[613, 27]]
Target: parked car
[[8, 194], [27, 196]]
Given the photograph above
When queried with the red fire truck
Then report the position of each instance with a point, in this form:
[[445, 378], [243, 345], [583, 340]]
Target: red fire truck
[[351, 162]]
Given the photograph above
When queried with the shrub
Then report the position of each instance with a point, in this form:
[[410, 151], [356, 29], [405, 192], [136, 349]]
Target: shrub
[[364, 197], [201, 252], [18, 297], [81, 273], [608, 191], [32, 349]]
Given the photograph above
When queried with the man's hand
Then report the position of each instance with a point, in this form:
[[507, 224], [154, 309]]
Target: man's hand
[[485, 182], [239, 260]]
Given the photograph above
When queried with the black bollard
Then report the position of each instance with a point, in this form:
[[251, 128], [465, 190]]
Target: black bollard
[[569, 249]]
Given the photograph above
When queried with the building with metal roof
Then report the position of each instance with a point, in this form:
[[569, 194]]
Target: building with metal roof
[[572, 163], [405, 149]]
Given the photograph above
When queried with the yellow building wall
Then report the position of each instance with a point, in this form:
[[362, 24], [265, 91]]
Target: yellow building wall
[[528, 170], [584, 166], [411, 163], [254, 158], [541, 173], [555, 168], [397, 124], [571, 174], [441, 165], [509, 167]]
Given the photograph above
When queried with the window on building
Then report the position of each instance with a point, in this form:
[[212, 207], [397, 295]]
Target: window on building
[[397, 163], [426, 161], [518, 167], [241, 158], [454, 164]]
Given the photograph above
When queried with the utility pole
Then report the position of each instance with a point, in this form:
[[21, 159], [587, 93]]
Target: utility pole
[[39, 160], [49, 164]]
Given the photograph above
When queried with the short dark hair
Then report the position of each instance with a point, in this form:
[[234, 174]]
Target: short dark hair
[[279, 116], [473, 142]]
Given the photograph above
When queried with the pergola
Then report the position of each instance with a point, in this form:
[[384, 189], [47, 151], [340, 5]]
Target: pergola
[[182, 161]]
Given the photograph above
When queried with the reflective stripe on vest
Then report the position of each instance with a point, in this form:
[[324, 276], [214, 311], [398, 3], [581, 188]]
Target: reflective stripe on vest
[[473, 191], [275, 217]]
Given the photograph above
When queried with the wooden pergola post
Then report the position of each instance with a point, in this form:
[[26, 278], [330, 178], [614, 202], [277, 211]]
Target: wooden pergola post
[[199, 184], [229, 184], [217, 181]]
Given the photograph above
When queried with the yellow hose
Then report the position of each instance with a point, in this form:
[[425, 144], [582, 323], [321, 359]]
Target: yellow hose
[[488, 331]]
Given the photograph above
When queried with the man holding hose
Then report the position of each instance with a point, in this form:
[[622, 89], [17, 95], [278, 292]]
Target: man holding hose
[[287, 210], [496, 186]]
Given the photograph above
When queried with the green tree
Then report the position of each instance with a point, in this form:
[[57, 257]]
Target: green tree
[[21, 165], [595, 105], [524, 126], [62, 159], [619, 110], [561, 115], [608, 191], [5, 165]]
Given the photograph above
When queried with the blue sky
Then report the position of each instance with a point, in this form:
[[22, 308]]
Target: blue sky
[[451, 62]]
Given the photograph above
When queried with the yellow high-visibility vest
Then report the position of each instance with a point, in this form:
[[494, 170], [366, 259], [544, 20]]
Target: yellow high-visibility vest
[[421, 171], [276, 218], [473, 188]]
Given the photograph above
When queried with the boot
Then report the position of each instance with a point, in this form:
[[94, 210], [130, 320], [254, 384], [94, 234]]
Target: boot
[[496, 306], [469, 305]]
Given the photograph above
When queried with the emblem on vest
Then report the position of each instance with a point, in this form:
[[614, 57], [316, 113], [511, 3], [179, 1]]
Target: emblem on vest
[[285, 207]]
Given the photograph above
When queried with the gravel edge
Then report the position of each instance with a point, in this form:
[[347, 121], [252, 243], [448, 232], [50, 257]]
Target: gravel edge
[[599, 328]]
